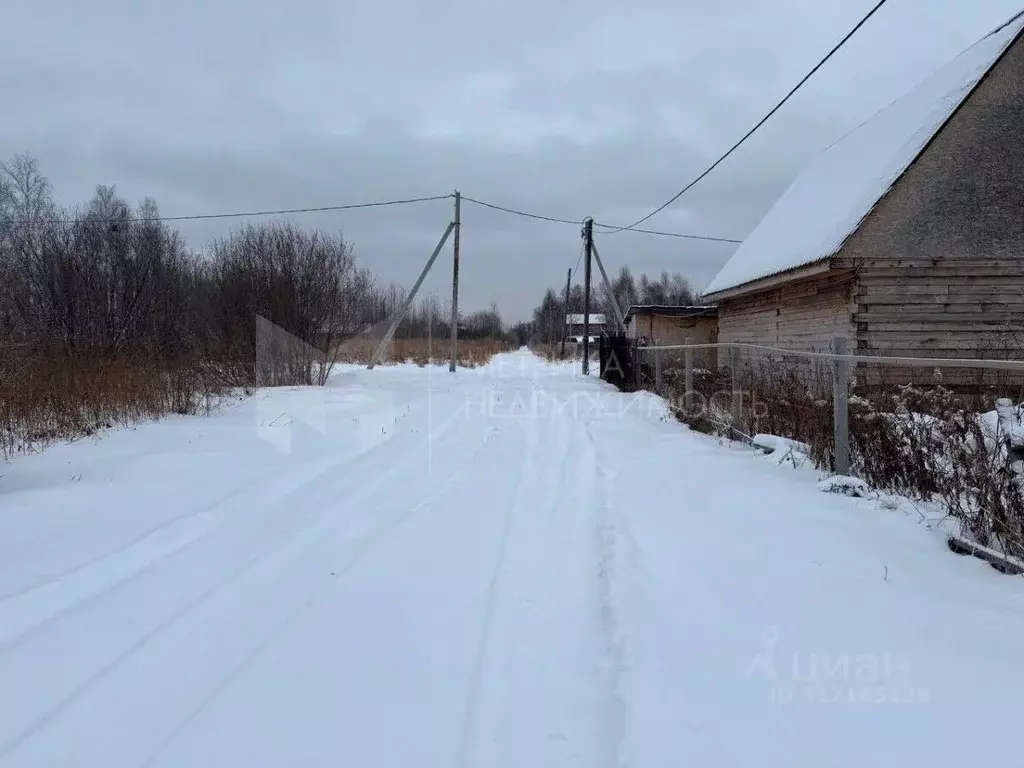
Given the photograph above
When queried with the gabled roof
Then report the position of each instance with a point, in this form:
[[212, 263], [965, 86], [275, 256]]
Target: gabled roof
[[669, 310], [838, 188]]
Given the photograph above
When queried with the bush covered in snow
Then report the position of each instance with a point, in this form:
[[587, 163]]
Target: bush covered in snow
[[928, 443]]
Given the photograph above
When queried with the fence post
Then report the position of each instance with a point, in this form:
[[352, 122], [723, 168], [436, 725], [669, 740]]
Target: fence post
[[657, 368], [840, 409], [737, 395], [688, 373]]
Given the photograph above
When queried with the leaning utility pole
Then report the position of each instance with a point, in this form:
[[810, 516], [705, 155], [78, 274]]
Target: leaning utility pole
[[588, 237], [455, 281], [375, 358], [565, 313], [614, 302]]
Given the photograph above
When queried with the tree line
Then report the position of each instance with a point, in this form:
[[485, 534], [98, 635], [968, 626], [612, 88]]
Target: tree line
[[104, 296], [548, 321], [109, 277]]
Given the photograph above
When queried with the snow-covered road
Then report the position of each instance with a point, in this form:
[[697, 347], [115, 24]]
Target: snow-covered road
[[512, 566]]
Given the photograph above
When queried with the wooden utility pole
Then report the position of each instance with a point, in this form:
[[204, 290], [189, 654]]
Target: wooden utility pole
[[455, 281], [565, 313], [588, 237]]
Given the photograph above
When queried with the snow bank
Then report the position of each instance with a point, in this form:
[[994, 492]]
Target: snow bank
[[851, 486], [772, 443]]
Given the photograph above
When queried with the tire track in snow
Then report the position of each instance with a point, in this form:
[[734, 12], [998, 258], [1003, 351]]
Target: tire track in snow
[[470, 725], [369, 543], [245, 488], [608, 575], [304, 526], [20, 618]]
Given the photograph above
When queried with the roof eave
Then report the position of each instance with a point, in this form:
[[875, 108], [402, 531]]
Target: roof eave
[[772, 281]]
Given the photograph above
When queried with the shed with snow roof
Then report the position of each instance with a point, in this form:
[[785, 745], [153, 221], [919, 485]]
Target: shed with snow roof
[[665, 324], [905, 236]]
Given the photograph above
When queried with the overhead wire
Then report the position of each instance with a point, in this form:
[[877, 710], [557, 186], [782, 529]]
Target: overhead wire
[[515, 212], [757, 126], [612, 227], [583, 249], [239, 214]]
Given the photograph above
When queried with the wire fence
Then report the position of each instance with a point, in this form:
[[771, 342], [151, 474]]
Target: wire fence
[[948, 430]]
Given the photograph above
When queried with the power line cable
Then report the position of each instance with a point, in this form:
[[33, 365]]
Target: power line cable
[[283, 211], [583, 249], [513, 211], [610, 227], [760, 123]]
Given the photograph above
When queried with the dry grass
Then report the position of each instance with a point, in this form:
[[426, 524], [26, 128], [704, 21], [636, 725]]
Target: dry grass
[[48, 398], [472, 352], [553, 352]]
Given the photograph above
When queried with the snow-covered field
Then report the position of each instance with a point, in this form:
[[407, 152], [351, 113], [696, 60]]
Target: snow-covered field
[[511, 566]]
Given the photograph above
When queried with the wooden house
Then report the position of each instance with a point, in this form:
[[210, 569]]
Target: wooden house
[[905, 236]]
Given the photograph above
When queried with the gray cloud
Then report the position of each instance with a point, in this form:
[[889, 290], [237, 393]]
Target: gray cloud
[[566, 108]]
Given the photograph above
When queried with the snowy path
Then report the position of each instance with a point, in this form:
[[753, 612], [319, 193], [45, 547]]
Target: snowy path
[[509, 567]]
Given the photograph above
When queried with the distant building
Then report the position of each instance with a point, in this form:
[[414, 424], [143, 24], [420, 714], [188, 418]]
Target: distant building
[[664, 324], [574, 327]]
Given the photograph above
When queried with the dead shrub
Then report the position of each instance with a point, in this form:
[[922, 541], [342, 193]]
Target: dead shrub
[[927, 442], [46, 398], [931, 443]]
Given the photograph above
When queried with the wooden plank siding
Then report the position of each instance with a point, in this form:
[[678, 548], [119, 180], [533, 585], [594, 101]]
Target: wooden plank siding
[[669, 329], [940, 308], [804, 315]]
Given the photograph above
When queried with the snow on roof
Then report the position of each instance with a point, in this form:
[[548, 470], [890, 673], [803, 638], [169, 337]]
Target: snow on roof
[[840, 186], [577, 319]]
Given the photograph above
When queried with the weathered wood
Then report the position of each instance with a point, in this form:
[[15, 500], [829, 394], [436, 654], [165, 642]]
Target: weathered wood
[[965, 294], [906, 262], [944, 326], [942, 300], [950, 353], [943, 271], [944, 282], [954, 338], [802, 315], [1001, 563], [889, 313]]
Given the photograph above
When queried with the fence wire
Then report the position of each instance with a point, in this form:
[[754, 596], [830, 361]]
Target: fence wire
[[930, 431]]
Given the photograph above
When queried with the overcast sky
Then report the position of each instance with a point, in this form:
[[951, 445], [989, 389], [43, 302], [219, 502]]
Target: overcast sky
[[566, 108]]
